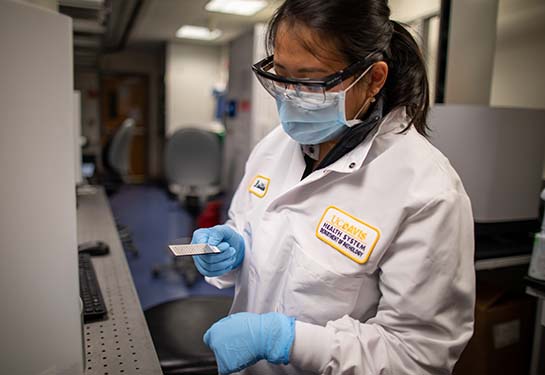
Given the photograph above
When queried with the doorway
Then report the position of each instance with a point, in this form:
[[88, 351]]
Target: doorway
[[123, 96]]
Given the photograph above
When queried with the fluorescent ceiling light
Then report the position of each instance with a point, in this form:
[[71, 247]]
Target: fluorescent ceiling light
[[239, 7], [197, 32]]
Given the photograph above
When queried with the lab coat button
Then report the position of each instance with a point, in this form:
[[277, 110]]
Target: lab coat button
[[352, 165]]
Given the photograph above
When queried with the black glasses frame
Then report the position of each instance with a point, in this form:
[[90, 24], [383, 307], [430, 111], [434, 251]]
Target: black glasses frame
[[260, 68]]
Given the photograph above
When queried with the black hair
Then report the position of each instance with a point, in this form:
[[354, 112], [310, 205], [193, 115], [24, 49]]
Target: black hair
[[358, 28]]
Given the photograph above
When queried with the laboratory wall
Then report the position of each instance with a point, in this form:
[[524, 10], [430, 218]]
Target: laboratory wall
[[518, 76], [87, 83], [135, 60], [470, 56], [508, 72], [264, 112], [191, 74], [407, 11], [45, 4], [76, 126], [149, 62], [254, 114], [238, 124], [422, 19]]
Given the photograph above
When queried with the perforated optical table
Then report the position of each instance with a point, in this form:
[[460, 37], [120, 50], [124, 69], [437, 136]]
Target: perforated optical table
[[121, 344]]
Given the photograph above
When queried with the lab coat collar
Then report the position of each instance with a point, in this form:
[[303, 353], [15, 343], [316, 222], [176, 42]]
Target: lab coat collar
[[396, 120], [312, 151]]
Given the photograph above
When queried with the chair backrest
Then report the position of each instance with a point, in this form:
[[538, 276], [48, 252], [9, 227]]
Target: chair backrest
[[120, 149], [193, 158]]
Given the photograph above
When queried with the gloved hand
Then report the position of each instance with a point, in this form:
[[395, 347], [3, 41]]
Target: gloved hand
[[242, 339], [229, 242]]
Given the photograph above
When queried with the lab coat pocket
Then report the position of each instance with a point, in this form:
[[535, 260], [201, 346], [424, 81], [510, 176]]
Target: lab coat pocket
[[316, 294]]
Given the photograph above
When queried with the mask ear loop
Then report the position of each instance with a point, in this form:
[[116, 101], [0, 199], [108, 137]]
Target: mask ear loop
[[368, 101], [354, 121], [360, 77]]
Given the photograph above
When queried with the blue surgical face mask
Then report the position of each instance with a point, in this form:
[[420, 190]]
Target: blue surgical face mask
[[314, 118]]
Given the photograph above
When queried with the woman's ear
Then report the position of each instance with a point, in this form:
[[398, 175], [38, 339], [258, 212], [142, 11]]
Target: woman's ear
[[377, 78]]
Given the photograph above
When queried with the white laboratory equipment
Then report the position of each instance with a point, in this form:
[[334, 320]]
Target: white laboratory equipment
[[537, 263], [498, 153], [40, 317]]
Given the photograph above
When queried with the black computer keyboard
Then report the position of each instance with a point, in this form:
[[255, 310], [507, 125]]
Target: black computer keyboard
[[94, 307]]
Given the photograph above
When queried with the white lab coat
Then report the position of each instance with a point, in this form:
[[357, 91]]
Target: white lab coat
[[403, 303]]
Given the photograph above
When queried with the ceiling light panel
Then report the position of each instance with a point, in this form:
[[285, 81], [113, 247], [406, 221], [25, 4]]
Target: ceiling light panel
[[197, 32], [238, 7]]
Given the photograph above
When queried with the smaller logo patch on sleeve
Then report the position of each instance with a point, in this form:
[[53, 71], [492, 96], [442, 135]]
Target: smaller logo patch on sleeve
[[349, 235], [259, 186]]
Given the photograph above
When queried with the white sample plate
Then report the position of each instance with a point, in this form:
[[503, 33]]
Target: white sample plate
[[193, 249]]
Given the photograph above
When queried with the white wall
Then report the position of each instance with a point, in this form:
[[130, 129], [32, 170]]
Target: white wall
[[76, 124], [46, 4], [131, 60], [88, 84], [432, 51], [254, 121], [239, 131], [407, 11], [519, 77], [264, 112], [509, 71], [471, 46], [146, 61], [192, 71]]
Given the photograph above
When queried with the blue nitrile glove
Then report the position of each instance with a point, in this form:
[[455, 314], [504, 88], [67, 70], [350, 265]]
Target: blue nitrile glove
[[229, 242], [242, 339]]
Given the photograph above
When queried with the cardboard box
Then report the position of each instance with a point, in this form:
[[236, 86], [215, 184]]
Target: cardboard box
[[502, 339]]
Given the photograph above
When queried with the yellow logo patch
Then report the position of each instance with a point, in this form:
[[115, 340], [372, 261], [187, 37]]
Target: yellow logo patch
[[259, 186], [347, 234]]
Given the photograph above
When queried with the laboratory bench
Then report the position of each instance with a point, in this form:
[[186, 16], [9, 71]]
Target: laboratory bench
[[121, 343]]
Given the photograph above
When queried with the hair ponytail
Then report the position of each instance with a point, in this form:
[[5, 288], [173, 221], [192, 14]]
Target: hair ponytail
[[407, 82]]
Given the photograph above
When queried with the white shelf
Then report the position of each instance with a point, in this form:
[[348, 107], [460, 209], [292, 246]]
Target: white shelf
[[493, 263]]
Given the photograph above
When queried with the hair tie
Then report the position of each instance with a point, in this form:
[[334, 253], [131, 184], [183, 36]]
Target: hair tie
[[390, 27]]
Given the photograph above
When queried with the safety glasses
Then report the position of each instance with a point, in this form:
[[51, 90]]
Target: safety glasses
[[291, 88]]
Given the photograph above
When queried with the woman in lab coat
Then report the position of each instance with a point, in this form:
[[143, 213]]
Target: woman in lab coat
[[350, 238]]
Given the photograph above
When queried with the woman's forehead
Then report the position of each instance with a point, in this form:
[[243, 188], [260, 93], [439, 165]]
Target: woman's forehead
[[298, 44]]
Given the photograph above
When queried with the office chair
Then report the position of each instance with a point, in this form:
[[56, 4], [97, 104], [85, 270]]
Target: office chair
[[119, 154], [177, 328], [118, 157], [193, 164], [193, 172]]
